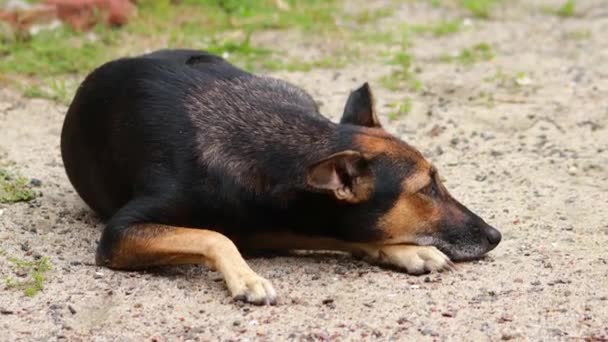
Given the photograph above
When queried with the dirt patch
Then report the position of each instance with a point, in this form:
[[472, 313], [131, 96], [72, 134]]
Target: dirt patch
[[521, 138]]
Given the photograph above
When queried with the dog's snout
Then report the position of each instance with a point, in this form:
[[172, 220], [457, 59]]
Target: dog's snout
[[493, 235]]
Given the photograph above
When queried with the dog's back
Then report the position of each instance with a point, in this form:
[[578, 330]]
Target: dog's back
[[173, 107]]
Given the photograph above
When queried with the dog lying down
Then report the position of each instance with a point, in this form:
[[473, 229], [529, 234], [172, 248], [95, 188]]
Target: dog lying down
[[190, 158]]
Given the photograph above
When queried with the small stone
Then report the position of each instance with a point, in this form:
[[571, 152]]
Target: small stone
[[71, 308], [98, 275], [328, 301], [507, 336], [35, 182]]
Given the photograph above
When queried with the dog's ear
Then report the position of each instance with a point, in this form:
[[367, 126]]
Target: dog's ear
[[347, 175], [359, 109]]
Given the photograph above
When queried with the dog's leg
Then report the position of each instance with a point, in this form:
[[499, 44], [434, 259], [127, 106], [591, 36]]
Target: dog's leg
[[142, 245], [409, 258]]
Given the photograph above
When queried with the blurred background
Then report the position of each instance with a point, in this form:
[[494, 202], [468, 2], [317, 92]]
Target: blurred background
[[47, 46]]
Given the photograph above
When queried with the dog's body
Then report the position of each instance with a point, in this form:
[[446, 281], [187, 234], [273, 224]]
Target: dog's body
[[179, 150]]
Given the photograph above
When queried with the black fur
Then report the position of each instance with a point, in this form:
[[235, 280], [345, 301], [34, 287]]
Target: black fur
[[184, 138]]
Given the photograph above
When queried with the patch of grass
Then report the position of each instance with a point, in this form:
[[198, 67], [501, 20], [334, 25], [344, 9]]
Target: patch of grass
[[442, 28], [567, 9], [580, 34], [207, 17], [240, 52], [57, 90], [400, 109], [368, 16], [300, 65], [467, 56], [35, 278], [52, 53], [435, 3], [403, 75], [509, 80], [14, 188], [479, 8]]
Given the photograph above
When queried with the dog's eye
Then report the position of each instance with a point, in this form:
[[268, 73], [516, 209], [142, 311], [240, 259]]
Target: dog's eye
[[430, 190]]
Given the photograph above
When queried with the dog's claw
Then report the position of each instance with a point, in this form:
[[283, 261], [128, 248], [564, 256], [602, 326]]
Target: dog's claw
[[451, 266], [253, 289]]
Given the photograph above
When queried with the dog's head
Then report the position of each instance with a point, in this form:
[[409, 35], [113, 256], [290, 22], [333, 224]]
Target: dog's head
[[389, 192]]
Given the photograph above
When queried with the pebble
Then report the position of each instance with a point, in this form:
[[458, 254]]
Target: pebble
[[98, 275], [6, 312], [327, 301], [71, 308], [507, 336]]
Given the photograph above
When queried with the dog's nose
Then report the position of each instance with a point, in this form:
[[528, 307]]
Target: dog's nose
[[493, 235]]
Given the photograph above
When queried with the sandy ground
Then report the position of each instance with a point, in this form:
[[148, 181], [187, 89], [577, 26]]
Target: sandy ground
[[533, 161]]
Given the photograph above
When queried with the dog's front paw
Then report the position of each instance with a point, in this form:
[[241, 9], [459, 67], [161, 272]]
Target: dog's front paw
[[412, 259], [251, 288]]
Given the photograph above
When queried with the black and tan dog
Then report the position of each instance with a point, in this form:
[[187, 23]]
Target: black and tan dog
[[188, 157]]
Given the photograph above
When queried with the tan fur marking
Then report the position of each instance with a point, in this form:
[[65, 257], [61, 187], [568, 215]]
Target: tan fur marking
[[410, 216], [154, 245], [374, 141], [416, 181]]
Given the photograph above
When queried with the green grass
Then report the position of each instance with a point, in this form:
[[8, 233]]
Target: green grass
[[14, 188], [441, 28], [567, 9], [40, 64], [400, 109], [58, 90], [368, 16], [467, 56], [403, 76], [197, 24], [34, 281], [479, 8]]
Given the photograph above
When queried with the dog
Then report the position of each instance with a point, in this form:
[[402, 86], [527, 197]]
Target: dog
[[190, 159]]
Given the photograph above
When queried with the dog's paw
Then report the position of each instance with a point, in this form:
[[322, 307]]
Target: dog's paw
[[411, 259], [251, 288]]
